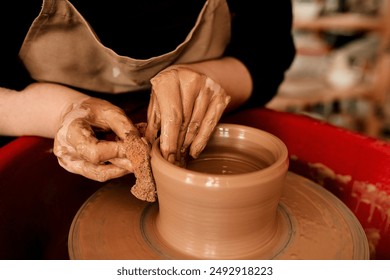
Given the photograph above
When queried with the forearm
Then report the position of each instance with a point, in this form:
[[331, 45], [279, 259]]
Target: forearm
[[231, 74], [35, 110]]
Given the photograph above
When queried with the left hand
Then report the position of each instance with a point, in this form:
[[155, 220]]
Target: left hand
[[186, 106], [79, 151]]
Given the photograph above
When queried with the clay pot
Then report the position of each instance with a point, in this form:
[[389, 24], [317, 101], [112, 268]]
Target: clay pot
[[224, 204]]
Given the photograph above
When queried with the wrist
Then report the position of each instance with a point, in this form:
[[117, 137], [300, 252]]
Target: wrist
[[49, 104]]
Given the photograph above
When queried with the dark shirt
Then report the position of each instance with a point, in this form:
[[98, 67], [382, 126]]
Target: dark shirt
[[152, 27]]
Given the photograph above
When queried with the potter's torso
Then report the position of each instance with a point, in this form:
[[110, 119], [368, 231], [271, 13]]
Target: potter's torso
[[62, 47]]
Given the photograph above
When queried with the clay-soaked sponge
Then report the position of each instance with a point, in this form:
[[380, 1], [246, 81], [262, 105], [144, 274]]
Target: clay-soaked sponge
[[138, 152]]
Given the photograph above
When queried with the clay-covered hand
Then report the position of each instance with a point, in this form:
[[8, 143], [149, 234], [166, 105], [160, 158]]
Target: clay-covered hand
[[185, 106], [78, 149]]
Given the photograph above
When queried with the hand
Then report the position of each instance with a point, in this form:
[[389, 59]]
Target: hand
[[186, 106], [79, 151]]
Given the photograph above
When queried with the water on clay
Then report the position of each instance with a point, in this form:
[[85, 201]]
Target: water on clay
[[227, 161]]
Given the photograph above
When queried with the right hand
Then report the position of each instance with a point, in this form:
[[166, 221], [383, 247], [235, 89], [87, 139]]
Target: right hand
[[79, 151], [186, 106]]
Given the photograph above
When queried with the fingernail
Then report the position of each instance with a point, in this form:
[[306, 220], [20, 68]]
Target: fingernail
[[196, 150], [171, 158], [183, 149]]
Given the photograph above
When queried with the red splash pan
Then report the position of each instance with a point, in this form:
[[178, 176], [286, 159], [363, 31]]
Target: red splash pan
[[353, 167]]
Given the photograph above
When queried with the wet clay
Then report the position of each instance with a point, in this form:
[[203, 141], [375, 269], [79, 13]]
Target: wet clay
[[236, 201], [199, 205], [225, 161]]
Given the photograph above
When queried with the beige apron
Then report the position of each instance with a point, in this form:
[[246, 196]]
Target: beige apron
[[61, 47]]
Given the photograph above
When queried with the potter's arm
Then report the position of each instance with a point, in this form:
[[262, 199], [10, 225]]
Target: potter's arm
[[56, 111], [231, 74], [35, 110]]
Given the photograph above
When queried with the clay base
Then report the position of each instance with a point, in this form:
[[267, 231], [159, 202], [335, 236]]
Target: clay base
[[113, 224]]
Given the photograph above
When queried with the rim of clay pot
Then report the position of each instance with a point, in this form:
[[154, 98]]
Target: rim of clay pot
[[275, 147]]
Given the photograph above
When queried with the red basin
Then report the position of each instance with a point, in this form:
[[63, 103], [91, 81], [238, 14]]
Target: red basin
[[353, 167], [38, 199]]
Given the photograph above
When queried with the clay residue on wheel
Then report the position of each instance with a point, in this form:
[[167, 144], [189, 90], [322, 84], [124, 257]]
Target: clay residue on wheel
[[138, 152]]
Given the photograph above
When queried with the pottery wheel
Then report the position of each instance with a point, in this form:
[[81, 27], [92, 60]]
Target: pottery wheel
[[113, 224]]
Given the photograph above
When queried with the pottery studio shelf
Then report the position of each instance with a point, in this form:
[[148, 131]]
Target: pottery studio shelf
[[305, 92], [341, 21], [302, 93]]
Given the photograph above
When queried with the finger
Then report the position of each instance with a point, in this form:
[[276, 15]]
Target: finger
[[81, 136], [218, 104], [200, 107], [167, 91], [97, 172], [105, 115], [120, 125], [154, 119], [190, 86], [123, 163]]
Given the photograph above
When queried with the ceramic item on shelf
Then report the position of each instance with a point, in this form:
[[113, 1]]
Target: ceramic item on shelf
[[304, 10], [341, 75]]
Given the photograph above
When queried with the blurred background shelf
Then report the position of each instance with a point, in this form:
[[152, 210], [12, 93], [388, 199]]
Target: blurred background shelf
[[341, 21], [341, 73], [306, 92]]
